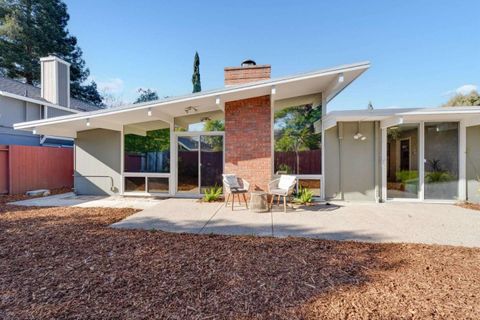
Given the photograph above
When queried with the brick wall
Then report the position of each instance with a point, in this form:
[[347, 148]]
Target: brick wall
[[248, 140], [238, 75]]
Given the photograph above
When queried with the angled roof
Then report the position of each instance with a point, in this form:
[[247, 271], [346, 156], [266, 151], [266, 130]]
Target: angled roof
[[390, 116], [26, 90], [329, 81]]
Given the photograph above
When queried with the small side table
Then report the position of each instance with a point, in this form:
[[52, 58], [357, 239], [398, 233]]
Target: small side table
[[259, 201]]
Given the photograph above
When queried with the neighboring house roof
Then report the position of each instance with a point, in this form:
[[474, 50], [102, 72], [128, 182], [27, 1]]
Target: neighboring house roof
[[26, 90], [328, 81]]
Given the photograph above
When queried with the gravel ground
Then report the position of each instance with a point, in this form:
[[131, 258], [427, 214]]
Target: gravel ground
[[67, 263]]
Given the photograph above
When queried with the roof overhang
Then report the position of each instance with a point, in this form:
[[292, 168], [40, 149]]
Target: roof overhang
[[392, 117], [328, 81]]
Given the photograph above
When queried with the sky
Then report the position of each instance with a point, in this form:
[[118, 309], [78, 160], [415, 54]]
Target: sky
[[421, 52]]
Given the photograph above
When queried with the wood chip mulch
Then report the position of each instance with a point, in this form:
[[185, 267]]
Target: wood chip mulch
[[67, 263], [469, 205]]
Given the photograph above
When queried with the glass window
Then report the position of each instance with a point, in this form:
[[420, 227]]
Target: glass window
[[312, 185], [135, 184], [402, 161], [157, 185], [441, 160], [297, 140], [149, 152], [188, 164]]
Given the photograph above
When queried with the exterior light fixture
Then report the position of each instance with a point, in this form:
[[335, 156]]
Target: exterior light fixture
[[274, 90], [191, 108], [34, 131], [88, 123], [217, 101], [149, 112], [341, 78]]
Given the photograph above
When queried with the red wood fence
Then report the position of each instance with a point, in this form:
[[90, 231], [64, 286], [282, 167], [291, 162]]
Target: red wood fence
[[24, 168], [310, 162]]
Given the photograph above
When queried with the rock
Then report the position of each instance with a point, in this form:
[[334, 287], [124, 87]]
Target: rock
[[38, 193]]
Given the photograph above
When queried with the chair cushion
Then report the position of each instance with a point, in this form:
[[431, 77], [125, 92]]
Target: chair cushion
[[231, 180], [286, 181], [279, 192]]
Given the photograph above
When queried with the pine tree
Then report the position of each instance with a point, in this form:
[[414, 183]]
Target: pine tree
[[31, 29], [197, 86]]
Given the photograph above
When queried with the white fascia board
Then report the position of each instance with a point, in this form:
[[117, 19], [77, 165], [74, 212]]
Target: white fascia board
[[393, 121], [329, 122], [31, 100], [193, 97]]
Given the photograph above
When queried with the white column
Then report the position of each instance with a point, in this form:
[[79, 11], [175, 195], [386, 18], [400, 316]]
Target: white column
[[324, 113], [383, 196], [172, 186], [421, 161], [462, 158]]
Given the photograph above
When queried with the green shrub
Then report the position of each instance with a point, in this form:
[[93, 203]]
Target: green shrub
[[438, 176], [406, 175], [304, 196], [212, 194]]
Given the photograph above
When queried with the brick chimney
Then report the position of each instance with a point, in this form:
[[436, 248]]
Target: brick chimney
[[247, 72]]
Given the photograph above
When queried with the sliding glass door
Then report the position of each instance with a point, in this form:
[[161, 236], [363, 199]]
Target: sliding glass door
[[402, 162], [441, 160], [422, 161], [200, 162]]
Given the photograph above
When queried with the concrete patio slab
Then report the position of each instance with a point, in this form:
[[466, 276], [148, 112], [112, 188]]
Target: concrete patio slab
[[240, 221], [71, 200], [386, 222], [173, 215]]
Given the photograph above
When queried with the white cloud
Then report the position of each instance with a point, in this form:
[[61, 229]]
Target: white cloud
[[466, 89], [113, 85]]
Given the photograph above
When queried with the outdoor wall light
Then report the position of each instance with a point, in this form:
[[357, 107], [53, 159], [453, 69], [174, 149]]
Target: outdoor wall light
[[34, 131], [88, 123], [217, 101], [149, 112], [274, 90]]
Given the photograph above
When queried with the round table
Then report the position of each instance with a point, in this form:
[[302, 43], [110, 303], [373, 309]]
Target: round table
[[259, 201]]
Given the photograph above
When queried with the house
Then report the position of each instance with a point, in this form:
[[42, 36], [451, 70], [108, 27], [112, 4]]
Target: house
[[160, 147], [21, 102]]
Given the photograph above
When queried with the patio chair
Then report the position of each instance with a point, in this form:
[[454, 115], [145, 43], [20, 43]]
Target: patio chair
[[232, 185], [282, 187]]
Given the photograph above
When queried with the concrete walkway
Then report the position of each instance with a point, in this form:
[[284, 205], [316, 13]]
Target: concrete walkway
[[391, 222]]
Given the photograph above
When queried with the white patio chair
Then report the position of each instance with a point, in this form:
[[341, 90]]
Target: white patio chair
[[282, 187], [232, 185]]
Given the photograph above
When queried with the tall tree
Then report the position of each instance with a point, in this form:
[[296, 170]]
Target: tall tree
[[31, 29], [197, 86], [471, 99], [146, 95]]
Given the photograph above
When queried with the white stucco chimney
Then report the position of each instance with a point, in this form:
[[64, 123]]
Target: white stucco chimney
[[55, 80]]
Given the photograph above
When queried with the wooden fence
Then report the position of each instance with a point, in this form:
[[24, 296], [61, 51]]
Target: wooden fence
[[310, 162], [24, 168]]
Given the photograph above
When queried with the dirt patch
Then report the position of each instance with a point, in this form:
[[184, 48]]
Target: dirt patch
[[67, 263]]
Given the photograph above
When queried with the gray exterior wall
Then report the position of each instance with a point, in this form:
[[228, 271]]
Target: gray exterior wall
[[63, 80], [97, 162], [352, 167], [14, 111], [473, 164]]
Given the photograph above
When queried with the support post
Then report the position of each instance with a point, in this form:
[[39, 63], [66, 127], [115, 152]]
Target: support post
[[462, 159], [324, 114]]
